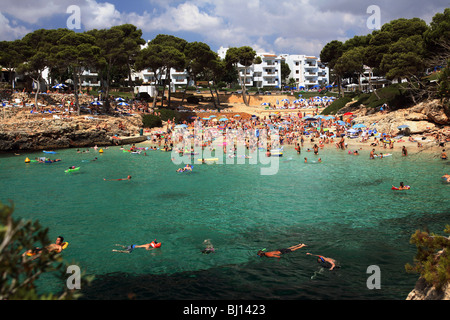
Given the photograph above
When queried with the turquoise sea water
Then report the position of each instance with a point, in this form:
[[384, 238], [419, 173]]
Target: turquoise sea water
[[343, 208]]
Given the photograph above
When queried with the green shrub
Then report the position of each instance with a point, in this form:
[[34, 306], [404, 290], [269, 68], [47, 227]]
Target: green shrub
[[193, 100], [19, 274], [151, 121], [336, 105]]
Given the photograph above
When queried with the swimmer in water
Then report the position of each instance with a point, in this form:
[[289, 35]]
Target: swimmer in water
[[324, 261], [402, 187], [446, 178], [209, 247], [279, 252], [444, 155], [149, 246], [128, 178], [129, 249]]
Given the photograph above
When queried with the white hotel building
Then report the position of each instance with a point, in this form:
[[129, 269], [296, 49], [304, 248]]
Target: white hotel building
[[307, 71]]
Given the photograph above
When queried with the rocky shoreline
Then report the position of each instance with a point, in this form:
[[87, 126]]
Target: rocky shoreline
[[27, 132], [425, 118]]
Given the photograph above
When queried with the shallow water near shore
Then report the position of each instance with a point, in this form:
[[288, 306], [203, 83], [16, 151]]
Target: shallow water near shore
[[343, 208]]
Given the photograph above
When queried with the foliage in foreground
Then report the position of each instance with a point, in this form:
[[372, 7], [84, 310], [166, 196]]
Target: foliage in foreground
[[18, 274], [432, 260]]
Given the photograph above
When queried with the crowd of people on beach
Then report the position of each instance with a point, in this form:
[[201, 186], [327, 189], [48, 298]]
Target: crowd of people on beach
[[294, 129]]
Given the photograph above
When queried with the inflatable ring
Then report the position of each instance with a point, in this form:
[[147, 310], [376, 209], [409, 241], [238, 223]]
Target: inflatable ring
[[405, 188], [158, 245], [64, 245]]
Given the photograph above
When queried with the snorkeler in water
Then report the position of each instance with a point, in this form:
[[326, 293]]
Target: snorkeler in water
[[325, 262], [128, 249], [279, 252]]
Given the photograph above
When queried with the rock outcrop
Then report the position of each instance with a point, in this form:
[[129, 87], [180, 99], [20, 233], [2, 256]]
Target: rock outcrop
[[424, 291], [425, 117], [30, 132]]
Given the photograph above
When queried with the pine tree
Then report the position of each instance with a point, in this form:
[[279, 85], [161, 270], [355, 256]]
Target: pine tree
[[432, 260]]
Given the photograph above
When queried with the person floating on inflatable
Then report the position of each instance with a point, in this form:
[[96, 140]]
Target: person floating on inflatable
[[150, 246], [446, 178], [402, 187], [56, 247], [325, 262]]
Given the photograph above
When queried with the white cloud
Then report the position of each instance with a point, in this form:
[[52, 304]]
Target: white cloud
[[11, 30], [96, 15], [33, 11], [184, 17]]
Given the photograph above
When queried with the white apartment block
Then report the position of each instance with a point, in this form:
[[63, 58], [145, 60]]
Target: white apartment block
[[178, 77], [266, 74], [307, 71]]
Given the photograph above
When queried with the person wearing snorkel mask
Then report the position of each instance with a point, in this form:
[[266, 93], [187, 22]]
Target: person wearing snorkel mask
[[324, 261], [279, 252]]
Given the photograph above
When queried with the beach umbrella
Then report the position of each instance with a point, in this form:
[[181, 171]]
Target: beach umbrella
[[223, 119], [340, 122], [212, 117], [311, 119], [96, 103], [359, 125], [265, 104], [123, 104], [59, 86], [348, 114], [205, 118], [285, 100], [120, 99], [181, 126], [352, 131], [403, 126], [237, 115]]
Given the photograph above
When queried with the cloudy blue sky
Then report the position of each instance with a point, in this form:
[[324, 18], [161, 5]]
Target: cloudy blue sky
[[276, 26]]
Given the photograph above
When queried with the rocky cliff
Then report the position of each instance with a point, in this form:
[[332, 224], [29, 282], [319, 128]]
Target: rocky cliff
[[424, 291], [425, 117], [41, 132]]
